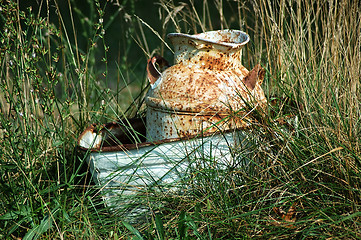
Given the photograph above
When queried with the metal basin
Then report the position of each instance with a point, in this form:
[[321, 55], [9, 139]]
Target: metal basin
[[125, 169]]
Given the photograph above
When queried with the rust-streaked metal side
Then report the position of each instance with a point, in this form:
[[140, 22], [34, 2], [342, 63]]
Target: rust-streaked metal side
[[206, 89]]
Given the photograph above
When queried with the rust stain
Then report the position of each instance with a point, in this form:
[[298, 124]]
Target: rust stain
[[207, 83]]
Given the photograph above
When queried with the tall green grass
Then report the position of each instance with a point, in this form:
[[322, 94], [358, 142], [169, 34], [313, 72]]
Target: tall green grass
[[57, 77]]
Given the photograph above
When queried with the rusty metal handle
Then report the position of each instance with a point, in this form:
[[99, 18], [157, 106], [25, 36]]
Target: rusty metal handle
[[254, 76], [153, 72]]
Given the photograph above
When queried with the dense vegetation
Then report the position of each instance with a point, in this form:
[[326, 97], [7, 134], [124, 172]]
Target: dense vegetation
[[67, 64]]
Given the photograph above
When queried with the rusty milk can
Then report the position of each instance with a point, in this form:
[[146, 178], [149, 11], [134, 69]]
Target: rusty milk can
[[205, 90]]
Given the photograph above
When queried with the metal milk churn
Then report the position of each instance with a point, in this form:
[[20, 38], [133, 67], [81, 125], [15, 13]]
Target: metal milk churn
[[205, 90]]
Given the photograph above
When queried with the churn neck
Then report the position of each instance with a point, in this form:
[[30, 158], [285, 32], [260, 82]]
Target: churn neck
[[213, 50]]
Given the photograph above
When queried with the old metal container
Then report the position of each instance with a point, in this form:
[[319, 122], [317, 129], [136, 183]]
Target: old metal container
[[127, 168], [205, 90], [197, 110]]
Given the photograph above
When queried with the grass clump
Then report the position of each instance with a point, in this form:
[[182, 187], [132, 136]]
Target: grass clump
[[64, 66]]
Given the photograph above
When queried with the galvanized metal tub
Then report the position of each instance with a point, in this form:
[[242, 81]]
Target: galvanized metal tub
[[126, 170]]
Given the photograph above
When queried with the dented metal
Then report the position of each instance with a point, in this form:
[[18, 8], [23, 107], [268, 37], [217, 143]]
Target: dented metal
[[205, 90]]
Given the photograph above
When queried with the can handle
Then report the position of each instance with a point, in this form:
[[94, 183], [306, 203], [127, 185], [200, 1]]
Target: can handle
[[254, 76], [152, 70]]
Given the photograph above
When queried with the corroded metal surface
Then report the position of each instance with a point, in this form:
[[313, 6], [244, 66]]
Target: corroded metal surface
[[206, 84]]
